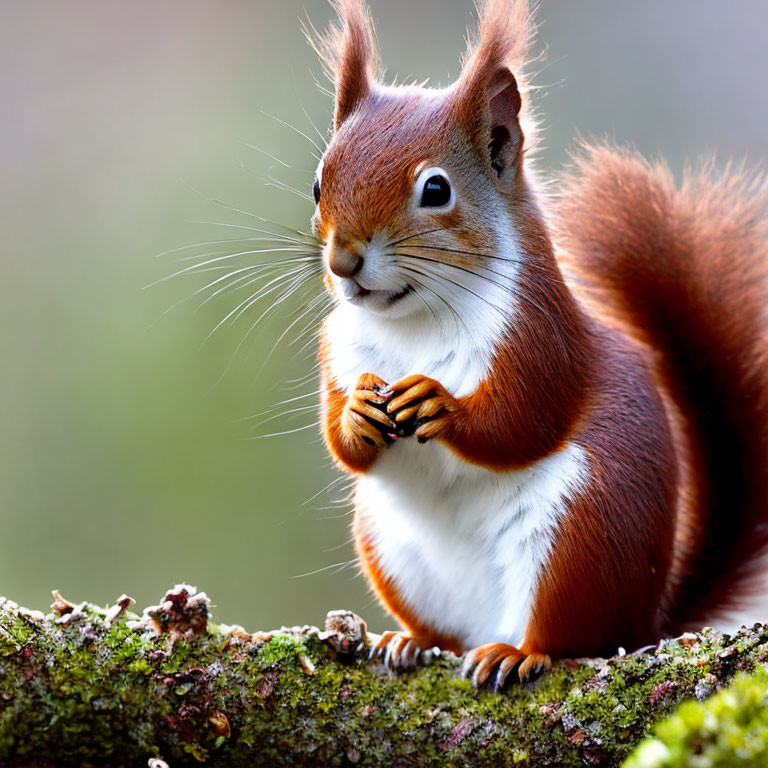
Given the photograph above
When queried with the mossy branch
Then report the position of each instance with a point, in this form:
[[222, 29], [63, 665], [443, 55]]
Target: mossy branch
[[86, 685]]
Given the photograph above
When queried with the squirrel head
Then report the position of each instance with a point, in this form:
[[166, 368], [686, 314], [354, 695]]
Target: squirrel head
[[417, 190]]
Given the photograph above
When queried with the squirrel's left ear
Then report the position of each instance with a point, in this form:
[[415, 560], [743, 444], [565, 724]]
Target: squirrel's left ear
[[487, 95], [349, 55]]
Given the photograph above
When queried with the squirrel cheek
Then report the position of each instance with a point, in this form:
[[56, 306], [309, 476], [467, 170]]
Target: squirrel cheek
[[449, 219]]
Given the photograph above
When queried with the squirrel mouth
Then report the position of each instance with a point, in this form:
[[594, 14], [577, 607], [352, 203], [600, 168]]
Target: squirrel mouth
[[356, 294]]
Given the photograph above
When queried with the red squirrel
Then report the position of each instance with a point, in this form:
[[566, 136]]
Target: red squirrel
[[554, 402]]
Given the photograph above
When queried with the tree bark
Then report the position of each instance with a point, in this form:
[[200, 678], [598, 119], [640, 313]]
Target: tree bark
[[91, 686]]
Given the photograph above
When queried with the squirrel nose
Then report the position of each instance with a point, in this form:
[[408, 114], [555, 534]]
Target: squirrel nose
[[345, 261]]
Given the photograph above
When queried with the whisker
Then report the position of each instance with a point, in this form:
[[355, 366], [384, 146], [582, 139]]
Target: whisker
[[467, 270], [293, 128], [249, 271], [490, 270], [311, 341], [320, 87], [251, 300], [517, 294], [206, 255], [319, 303], [264, 152], [201, 244], [492, 256], [281, 185], [334, 482], [286, 188], [427, 304], [199, 290], [293, 411], [473, 272], [457, 317], [239, 284], [307, 235], [196, 267], [278, 236], [293, 384], [310, 308], [286, 432], [419, 234], [245, 277], [311, 327], [485, 300], [343, 544], [289, 290], [337, 566], [323, 139], [297, 277], [272, 249], [346, 513], [274, 407], [235, 209]]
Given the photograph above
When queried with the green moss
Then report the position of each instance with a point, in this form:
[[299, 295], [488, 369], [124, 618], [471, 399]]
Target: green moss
[[85, 688], [729, 729], [281, 647]]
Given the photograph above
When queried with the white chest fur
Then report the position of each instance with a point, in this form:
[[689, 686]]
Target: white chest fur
[[465, 546], [458, 355]]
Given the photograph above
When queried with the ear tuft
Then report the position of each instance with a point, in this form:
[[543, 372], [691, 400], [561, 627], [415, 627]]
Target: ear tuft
[[505, 39], [488, 99], [349, 55]]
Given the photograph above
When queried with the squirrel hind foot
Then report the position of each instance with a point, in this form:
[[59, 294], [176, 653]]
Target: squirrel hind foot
[[489, 666], [400, 652]]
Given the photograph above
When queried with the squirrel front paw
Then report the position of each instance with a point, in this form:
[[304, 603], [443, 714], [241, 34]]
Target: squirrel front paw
[[363, 424], [424, 402]]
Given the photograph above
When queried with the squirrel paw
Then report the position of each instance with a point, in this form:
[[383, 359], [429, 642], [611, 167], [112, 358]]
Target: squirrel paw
[[364, 418], [490, 665], [423, 402], [400, 652]]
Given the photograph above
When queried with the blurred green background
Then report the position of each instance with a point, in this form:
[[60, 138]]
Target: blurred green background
[[127, 458]]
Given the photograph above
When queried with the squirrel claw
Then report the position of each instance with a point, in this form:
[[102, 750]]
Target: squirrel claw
[[489, 666], [402, 653]]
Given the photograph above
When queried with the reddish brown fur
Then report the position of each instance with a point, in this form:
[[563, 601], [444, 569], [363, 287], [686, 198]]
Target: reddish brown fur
[[353, 454], [601, 589], [651, 357], [368, 173], [349, 55], [686, 272], [530, 404], [504, 41]]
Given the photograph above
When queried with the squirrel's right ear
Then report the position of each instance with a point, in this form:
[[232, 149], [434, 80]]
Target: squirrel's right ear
[[349, 56], [488, 101]]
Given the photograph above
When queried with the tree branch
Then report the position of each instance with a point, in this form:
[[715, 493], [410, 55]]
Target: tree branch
[[104, 687]]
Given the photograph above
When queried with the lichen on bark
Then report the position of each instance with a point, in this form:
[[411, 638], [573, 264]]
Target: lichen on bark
[[727, 730], [103, 686]]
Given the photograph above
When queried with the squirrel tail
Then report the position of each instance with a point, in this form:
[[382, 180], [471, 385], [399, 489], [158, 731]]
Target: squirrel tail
[[685, 271]]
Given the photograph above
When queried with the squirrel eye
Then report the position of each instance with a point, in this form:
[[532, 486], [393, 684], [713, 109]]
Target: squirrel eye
[[437, 192], [316, 191]]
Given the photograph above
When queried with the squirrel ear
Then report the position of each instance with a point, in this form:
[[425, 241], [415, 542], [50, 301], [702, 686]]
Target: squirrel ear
[[349, 56], [504, 103], [488, 100]]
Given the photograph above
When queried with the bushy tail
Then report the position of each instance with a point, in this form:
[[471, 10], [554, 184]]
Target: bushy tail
[[686, 271]]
